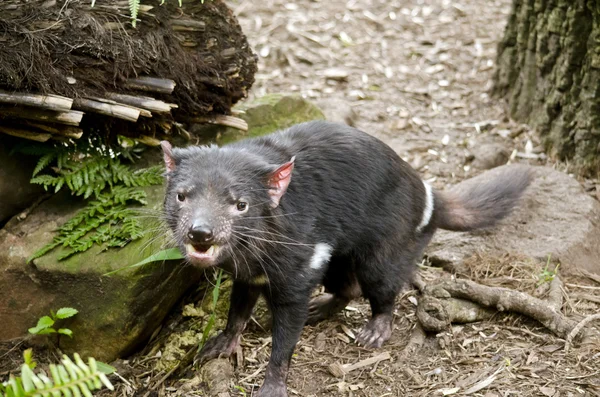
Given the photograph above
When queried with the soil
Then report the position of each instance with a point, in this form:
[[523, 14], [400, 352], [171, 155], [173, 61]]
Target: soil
[[417, 75]]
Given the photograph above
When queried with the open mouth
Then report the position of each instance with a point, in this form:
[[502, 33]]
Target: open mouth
[[202, 253]]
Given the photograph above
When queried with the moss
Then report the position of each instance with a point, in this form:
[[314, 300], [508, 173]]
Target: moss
[[271, 113]]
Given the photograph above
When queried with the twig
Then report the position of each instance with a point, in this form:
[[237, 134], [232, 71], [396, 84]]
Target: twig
[[340, 370], [577, 329], [555, 294]]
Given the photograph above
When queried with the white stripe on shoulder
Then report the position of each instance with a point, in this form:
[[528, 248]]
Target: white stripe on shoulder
[[320, 256], [428, 211]]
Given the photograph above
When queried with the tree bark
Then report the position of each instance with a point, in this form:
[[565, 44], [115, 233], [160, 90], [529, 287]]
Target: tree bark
[[549, 72]]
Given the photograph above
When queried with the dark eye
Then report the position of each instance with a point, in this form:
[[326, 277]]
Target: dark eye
[[180, 197], [242, 206]]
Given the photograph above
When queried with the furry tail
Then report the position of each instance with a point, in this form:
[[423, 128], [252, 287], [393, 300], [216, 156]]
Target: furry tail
[[482, 201]]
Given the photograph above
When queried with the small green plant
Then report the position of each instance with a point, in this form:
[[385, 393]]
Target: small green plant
[[241, 390], [546, 275], [28, 358], [70, 378], [45, 325]]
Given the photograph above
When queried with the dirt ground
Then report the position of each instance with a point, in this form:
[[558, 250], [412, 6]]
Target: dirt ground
[[416, 74]]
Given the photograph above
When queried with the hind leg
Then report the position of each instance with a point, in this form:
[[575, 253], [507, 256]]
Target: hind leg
[[381, 276], [341, 287]]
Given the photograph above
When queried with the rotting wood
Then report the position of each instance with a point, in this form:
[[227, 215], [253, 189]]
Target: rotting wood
[[26, 134], [151, 84], [71, 117], [51, 102], [151, 104], [113, 110]]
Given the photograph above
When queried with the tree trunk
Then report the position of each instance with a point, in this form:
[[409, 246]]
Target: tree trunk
[[549, 71]]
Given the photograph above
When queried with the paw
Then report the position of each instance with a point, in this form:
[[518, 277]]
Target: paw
[[324, 306], [377, 331], [222, 345], [272, 389]]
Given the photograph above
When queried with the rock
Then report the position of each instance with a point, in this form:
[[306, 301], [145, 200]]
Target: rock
[[555, 217], [116, 313], [338, 110], [489, 155], [16, 193], [264, 115]]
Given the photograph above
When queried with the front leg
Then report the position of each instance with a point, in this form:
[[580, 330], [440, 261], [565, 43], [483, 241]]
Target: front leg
[[243, 299], [288, 321]]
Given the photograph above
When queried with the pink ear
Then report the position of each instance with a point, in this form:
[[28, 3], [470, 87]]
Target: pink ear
[[279, 181], [168, 156]]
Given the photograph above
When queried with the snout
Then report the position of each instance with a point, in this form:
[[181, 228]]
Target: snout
[[201, 247], [201, 234]]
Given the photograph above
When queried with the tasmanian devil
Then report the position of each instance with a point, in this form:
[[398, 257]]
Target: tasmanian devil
[[319, 203]]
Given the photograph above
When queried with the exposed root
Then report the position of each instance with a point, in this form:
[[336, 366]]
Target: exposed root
[[454, 300]]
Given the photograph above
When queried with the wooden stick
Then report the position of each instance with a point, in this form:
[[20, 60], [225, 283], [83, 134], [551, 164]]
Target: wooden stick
[[67, 131], [71, 117], [187, 25], [148, 140], [229, 121], [154, 105], [340, 370], [151, 84], [26, 134], [143, 112], [107, 109], [52, 102]]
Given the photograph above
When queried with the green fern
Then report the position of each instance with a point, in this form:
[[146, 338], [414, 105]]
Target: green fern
[[134, 8], [67, 379], [92, 175], [106, 221]]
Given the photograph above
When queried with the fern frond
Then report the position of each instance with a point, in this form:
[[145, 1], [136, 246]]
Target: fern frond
[[43, 162], [134, 8], [67, 379]]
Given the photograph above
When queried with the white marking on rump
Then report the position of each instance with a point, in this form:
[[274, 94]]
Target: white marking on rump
[[428, 210], [320, 256]]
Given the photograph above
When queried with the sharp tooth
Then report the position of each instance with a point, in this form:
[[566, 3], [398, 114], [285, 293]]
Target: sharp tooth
[[190, 248], [211, 250]]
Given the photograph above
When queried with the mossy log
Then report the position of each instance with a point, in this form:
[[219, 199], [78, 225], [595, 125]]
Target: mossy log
[[178, 62], [549, 71]]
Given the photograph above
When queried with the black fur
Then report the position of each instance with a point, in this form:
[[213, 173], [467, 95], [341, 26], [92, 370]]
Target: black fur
[[348, 190]]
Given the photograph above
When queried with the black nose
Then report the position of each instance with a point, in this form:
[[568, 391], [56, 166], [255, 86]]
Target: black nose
[[201, 234]]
